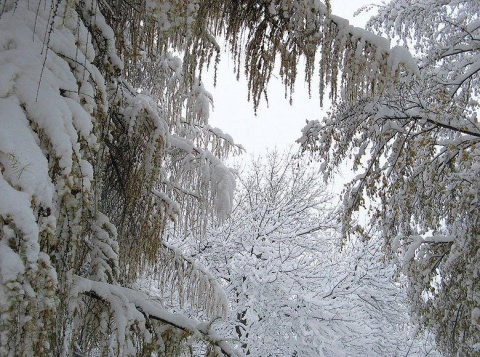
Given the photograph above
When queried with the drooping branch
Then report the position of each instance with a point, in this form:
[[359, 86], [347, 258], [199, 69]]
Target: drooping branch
[[140, 302], [191, 282], [259, 36], [436, 123]]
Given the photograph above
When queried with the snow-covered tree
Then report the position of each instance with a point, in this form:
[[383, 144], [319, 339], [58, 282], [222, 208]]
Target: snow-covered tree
[[82, 196], [416, 146], [266, 253], [292, 291]]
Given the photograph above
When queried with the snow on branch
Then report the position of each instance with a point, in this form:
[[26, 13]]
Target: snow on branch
[[192, 282], [81, 150], [202, 173], [260, 34], [130, 307], [415, 242]]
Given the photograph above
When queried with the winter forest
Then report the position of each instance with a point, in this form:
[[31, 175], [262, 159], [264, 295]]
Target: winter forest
[[126, 231]]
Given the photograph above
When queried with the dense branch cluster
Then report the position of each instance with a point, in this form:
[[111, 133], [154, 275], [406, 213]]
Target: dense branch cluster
[[291, 292]]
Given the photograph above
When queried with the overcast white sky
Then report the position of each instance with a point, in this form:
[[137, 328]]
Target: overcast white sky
[[280, 124]]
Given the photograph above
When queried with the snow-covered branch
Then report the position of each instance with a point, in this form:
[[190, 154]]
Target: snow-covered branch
[[130, 304]]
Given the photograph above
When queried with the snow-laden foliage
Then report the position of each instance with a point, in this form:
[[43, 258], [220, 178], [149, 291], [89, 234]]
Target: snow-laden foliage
[[47, 149], [197, 286], [259, 34], [83, 201], [292, 292], [417, 149]]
